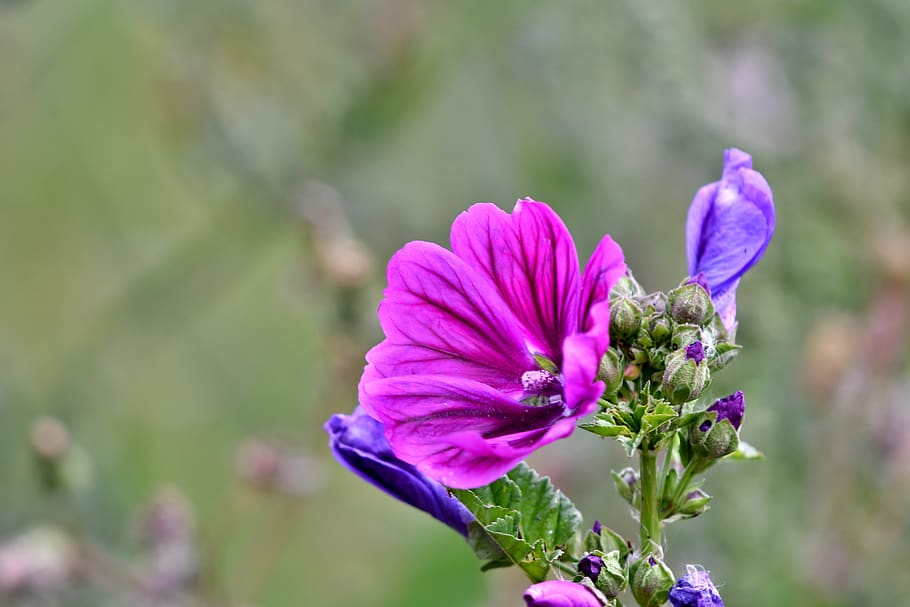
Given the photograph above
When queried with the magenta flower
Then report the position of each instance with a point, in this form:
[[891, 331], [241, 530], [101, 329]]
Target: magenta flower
[[695, 589], [729, 226], [358, 442], [492, 349], [560, 593]]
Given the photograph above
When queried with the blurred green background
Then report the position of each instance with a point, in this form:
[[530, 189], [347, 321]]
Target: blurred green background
[[197, 201]]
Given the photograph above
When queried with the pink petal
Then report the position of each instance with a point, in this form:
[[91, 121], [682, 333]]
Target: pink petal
[[560, 593], [582, 352], [440, 316], [531, 258], [460, 432]]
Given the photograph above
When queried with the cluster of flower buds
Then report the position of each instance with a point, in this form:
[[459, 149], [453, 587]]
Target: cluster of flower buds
[[672, 340]]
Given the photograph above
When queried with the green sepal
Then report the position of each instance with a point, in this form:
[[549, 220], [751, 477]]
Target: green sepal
[[745, 451], [725, 352]]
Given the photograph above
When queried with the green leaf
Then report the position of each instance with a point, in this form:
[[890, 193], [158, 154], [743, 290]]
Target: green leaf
[[521, 519], [661, 413], [746, 452], [546, 513], [603, 428]]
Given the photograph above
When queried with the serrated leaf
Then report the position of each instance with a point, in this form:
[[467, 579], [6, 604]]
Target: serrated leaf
[[546, 513], [501, 492], [484, 513], [498, 542], [746, 452], [661, 413]]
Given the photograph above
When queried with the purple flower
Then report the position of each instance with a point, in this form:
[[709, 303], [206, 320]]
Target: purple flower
[[358, 442], [731, 408], [729, 226], [560, 593], [695, 351], [491, 349], [590, 566], [695, 590]]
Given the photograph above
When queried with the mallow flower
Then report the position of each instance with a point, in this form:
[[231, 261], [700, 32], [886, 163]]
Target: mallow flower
[[695, 589], [358, 442], [491, 349], [560, 593], [728, 228]]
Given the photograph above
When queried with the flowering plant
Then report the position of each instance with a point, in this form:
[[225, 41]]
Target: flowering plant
[[501, 345]]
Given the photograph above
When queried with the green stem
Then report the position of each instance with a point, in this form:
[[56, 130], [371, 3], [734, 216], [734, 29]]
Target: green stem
[[650, 514], [695, 466], [670, 455]]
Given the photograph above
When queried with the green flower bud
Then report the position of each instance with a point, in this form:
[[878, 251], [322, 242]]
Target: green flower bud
[[650, 580], [639, 355], [713, 439], [605, 570], [626, 286], [660, 329], [686, 374], [695, 503], [611, 371], [626, 481], [685, 334], [690, 303], [625, 318], [716, 433]]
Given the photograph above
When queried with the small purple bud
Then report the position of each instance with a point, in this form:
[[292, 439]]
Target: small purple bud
[[730, 408], [700, 280], [590, 566], [695, 589], [596, 527], [695, 351], [651, 561]]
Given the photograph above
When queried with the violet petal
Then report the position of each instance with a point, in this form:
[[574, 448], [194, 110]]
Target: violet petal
[[728, 228], [731, 408], [695, 589], [358, 442]]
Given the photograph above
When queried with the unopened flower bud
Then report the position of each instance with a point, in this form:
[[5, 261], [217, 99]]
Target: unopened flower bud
[[639, 355], [611, 370], [686, 374], [605, 570], [660, 329], [650, 580], [695, 589], [685, 334], [696, 502], [626, 481], [625, 318], [716, 433], [690, 303], [626, 286], [730, 408]]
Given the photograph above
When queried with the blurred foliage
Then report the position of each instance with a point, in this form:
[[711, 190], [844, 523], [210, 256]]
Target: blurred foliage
[[189, 192]]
